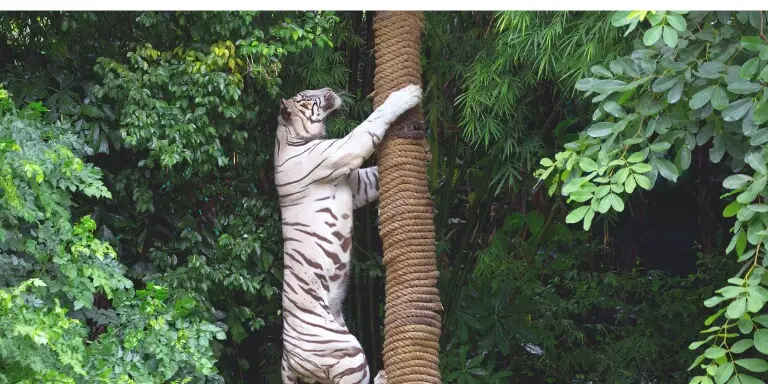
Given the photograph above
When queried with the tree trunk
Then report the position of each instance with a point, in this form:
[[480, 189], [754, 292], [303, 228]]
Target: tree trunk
[[411, 319]]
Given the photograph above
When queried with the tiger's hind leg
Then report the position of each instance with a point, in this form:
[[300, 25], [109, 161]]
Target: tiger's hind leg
[[289, 377], [352, 367], [381, 378]]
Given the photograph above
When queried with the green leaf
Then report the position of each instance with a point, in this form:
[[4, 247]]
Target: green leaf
[[724, 372], [576, 215], [741, 346], [652, 35], [744, 87], [588, 219], [614, 109], [641, 168], [587, 164], [756, 161], [630, 184], [667, 170], [754, 365], [660, 146], [670, 36], [637, 157], [761, 340], [601, 71], [737, 110], [747, 379], [701, 98], [697, 344], [761, 113], [732, 208], [737, 308], [762, 320], [664, 83], [763, 76], [749, 68], [677, 22], [752, 43], [714, 352], [736, 181], [643, 181], [676, 92], [600, 129], [720, 99], [616, 203]]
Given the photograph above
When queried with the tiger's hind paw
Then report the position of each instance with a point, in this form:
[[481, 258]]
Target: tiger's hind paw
[[381, 378]]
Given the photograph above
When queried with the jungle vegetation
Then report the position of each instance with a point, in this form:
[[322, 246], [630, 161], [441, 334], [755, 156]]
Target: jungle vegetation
[[599, 182]]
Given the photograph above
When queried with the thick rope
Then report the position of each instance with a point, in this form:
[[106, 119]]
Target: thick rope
[[411, 317]]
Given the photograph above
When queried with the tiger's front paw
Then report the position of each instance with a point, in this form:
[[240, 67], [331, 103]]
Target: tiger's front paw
[[405, 98]]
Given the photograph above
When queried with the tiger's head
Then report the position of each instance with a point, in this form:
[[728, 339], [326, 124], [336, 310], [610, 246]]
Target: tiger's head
[[304, 114]]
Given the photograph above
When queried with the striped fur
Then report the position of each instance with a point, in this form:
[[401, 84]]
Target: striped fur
[[319, 183]]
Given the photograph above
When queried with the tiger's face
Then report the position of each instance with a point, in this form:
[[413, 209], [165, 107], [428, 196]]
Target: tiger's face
[[305, 113]]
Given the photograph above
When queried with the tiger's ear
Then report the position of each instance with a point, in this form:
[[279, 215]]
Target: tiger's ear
[[285, 113]]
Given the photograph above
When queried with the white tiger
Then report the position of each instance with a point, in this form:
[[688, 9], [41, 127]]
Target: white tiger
[[319, 183]]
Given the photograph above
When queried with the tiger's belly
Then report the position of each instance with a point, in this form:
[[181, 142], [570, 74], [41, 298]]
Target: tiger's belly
[[317, 237]]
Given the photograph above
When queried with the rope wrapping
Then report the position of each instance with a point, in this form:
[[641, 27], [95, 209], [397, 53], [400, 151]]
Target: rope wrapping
[[411, 319]]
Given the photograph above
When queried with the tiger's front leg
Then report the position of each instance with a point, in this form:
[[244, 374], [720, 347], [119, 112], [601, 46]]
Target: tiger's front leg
[[364, 184], [347, 154]]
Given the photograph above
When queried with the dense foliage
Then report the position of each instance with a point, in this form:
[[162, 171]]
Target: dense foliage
[[694, 79], [139, 230]]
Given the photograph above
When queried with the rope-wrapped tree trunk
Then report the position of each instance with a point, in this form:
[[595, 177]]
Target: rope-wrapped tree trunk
[[411, 316]]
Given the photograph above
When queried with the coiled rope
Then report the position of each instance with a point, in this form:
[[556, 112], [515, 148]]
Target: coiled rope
[[411, 319]]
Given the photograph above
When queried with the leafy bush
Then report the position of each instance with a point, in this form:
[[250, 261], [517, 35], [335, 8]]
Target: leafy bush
[[694, 79], [53, 272]]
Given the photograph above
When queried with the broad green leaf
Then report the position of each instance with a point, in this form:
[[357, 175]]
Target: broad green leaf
[[667, 170], [614, 109], [720, 99], [744, 87], [749, 68], [761, 340], [763, 76], [714, 352], [756, 161], [761, 113], [701, 97], [752, 43], [601, 71], [677, 22], [616, 202], [643, 181], [630, 184], [737, 110], [637, 157], [587, 164], [737, 308], [588, 219], [652, 35], [670, 36], [724, 372], [576, 215], [641, 168], [664, 83], [600, 130], [660, 146], [676, 92], [743, 378], [741, 346], [732, 208], [736, 181], [762, 320]]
